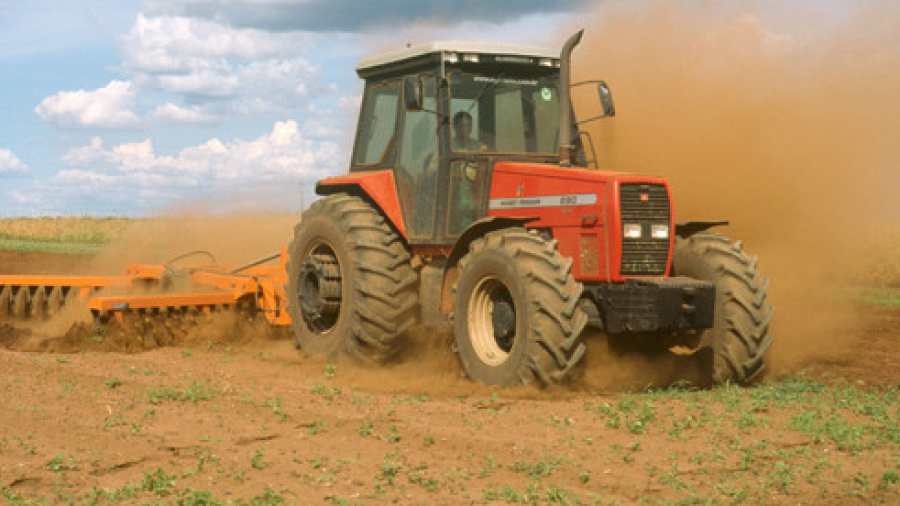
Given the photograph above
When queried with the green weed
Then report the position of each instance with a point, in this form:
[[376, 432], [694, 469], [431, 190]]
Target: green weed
[[193, 392], [61, 463], [365, 430], [258, 461], [541, 468], [158, 483]]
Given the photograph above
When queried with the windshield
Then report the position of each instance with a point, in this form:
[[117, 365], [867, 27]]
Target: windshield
[[504, 114]]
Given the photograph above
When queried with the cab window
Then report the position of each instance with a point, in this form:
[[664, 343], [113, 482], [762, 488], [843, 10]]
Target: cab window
[[376, 123], [504, 113]]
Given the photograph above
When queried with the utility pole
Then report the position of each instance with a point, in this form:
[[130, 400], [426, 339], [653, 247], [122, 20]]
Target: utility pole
[[302, 190]]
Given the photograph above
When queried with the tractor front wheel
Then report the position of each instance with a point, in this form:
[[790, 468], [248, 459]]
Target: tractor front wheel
[[740, 334], [351, 289], [516, 314]]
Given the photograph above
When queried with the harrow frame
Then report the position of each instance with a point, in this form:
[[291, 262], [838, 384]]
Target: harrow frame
[[254, 286]]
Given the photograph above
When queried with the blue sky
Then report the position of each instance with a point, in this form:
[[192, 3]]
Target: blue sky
[[136, 107], [127, 107]]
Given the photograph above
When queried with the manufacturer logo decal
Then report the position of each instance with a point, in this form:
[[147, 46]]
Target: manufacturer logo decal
[[579, 199]]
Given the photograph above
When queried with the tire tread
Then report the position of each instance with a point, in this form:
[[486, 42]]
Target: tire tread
[[385, 284], [555, 344], [741, 335]]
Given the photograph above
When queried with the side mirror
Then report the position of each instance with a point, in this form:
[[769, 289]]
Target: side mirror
[[606, 101], [413, 93], [609, 109]]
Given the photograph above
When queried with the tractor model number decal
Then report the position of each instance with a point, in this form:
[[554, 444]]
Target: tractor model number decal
[[579, 199]]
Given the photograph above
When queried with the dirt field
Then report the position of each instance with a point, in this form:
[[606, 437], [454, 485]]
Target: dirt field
[[237, 414]]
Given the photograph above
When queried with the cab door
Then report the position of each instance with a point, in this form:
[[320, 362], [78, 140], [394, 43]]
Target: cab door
[[418, 159], [468, 161]]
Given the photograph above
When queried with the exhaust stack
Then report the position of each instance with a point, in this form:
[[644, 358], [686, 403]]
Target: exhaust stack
[[566, 141]]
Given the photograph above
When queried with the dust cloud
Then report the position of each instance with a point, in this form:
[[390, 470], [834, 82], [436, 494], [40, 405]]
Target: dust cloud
[[782, 117], [229, 239]]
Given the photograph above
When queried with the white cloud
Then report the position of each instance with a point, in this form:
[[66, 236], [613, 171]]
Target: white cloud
[[11, 166], [168, 43], [107, 107], [133, 177], [206, 71], [286, 153], [176, 113], [87, 155], [244, 71]]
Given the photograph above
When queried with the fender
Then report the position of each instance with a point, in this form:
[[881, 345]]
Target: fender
[[685, 229], [439, 285], [479, 228], [376, 186]]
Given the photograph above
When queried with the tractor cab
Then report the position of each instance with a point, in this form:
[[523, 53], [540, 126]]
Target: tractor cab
[[441, 115]]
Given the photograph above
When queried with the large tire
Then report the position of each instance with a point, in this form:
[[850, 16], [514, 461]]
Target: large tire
[[516, 314], [740, 334], [351, 289]]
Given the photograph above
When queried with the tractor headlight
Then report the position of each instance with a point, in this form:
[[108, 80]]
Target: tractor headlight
[[659, 231], [632, 231]]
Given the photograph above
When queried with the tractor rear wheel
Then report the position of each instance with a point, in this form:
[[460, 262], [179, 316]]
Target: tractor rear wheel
[[351, 289], [517, 318], [740, 334]]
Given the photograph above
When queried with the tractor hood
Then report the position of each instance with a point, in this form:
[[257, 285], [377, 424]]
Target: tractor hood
[[560, 196], [586, 207]]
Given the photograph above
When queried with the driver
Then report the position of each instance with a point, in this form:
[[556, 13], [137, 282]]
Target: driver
[[462, 134]]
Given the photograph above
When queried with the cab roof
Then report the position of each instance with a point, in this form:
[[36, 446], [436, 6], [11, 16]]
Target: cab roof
[[372, 64]]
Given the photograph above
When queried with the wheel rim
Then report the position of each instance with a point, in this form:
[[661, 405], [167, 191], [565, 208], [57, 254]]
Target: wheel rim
[[319, 288], [492, 321]]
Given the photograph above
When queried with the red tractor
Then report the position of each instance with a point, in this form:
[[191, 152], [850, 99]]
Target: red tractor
[[469, 200]]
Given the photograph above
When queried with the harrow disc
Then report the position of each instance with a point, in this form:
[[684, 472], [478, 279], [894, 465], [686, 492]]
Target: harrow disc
[[55, 300], [5, 299], [20, 302], [35, 301], [151, 328]]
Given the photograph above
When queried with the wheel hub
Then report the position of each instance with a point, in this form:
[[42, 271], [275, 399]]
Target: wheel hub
[[320, 291], [492, 321], [503, 319]]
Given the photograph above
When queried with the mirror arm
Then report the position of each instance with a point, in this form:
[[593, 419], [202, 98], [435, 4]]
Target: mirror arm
[[595, 118], [590, 141]]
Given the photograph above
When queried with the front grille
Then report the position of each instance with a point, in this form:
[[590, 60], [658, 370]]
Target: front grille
[[647, 205], [654, 208], [644, 257]]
